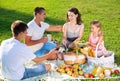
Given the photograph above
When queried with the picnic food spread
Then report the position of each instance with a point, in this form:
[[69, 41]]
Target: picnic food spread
[[76, 64]]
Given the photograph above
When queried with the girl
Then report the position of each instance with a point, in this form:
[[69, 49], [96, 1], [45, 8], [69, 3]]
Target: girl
[[73, 29], [96, 38]]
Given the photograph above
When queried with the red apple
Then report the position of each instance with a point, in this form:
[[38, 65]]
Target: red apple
[[116, 71], [91, 76]]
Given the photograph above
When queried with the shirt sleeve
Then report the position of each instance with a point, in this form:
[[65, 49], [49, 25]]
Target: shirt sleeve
[[28, 54], [46, 25], [29, 31]]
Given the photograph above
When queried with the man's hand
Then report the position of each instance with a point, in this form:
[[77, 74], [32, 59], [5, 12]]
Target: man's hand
[[52, 55], [44, 39]]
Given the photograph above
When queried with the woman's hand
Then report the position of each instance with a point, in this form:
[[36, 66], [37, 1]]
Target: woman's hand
[[64, 42]]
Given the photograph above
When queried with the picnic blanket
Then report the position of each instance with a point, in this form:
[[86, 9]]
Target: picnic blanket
[[55, 76]]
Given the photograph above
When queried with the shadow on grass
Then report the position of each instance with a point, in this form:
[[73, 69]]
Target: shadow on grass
[[117, 59], [9, 16]]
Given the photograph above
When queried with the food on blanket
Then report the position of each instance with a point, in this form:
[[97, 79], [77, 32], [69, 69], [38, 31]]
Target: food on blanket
[[116, 71], [91, 52], [68, 69], [80, 73], [84, 51], [101, 75], [97, 70], [115, 74], [60, 70], [80, 69], [86, 75], [91, 76], [75, 74], [62, 66], [75, 66], [107, 73], [69, 73], [94, 71]]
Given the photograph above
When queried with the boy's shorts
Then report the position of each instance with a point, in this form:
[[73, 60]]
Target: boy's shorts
[[36, 70], [46, 48]]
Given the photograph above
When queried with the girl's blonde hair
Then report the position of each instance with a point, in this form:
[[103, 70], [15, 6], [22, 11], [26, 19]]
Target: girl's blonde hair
[[97, 23]]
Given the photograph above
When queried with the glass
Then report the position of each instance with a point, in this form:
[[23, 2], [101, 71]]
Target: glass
[[49, 36]]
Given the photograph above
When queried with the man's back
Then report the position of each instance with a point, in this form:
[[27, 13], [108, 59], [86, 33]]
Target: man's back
[[13, 57]]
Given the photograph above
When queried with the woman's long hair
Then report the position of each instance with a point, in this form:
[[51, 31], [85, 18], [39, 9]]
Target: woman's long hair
[[76, 12]]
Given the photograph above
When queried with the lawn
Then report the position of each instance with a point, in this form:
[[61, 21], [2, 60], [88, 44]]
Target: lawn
[[107, 11]]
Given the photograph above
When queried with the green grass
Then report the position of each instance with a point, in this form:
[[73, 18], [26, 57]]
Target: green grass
[[107, 11]]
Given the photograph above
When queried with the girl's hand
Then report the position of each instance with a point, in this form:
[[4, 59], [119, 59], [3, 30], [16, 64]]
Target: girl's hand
[[87, 43]]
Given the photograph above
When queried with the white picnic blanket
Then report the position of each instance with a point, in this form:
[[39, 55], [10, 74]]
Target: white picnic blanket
[[53, 75]]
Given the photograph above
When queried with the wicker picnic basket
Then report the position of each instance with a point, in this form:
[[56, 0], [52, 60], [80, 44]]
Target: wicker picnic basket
[[103, 61], [72, 58]]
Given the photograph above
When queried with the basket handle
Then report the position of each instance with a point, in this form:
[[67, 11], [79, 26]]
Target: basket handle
[[97, 47]]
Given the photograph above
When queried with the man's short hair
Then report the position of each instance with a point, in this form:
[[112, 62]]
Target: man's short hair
[[18, 27], [38, 10]]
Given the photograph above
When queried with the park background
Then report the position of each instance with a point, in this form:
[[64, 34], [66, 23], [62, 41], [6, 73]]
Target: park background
[[107, 11]]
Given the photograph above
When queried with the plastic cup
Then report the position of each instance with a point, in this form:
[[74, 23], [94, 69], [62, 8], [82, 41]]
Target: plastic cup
[[107, 73], [49, 36]]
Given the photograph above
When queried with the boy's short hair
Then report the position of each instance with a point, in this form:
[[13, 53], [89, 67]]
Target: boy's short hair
[[38, 10], [18, 27]]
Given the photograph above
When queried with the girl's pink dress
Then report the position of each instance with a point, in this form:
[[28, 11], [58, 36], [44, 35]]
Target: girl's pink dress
[[95, 40]]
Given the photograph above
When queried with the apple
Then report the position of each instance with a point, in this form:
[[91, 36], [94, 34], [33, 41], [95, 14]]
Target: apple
[[91, 76], [74, 75], [58, 69], [62, 66], [62, 71], [67, 69], [86, 75], [101, 75], [75, 66], [116, 71], [75, 70], [79, 68], [69, 73], [80, 73]]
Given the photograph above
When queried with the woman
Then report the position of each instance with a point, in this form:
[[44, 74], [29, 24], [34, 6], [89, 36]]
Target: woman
[[73, 29]]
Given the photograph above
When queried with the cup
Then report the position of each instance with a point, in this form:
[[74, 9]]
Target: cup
[[49, 36], [107, 73]]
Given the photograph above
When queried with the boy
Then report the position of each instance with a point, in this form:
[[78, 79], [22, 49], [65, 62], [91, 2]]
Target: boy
[[15, 54]]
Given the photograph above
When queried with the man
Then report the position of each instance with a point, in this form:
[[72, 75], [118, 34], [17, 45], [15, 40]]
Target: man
[[15, 54], [34, 39]]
